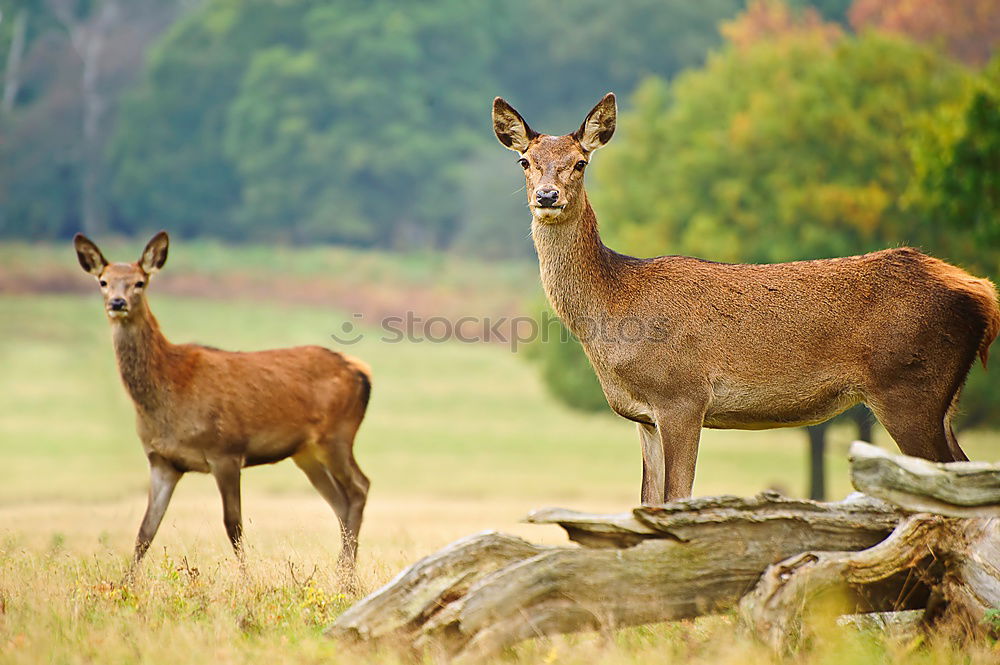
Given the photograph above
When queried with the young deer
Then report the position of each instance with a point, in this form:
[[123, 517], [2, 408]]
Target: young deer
[[210, 411], [681, 343]]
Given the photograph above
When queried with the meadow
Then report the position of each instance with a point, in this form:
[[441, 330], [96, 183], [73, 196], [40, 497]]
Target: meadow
[[459, 438]]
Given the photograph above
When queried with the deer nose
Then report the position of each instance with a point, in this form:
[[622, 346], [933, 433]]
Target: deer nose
[[117, 304], [547, 196]]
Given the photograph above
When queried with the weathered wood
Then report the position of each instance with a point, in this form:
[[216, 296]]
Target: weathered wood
[[955, 489], [902, 621], [695, 557], [948, 566], [589, 589], [417, 593], [970, 585], [787, 559], [849, 582], [690, 518], [949, 561], [596, 530]]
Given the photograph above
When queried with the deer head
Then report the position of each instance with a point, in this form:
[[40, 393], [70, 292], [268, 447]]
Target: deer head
[[122, 284], [554, 165]]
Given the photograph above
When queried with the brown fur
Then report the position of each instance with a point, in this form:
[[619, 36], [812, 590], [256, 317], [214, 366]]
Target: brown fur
[[211, 411], [680, 343]]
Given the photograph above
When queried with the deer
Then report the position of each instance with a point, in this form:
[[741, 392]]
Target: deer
[[201, 409], [680, 343]]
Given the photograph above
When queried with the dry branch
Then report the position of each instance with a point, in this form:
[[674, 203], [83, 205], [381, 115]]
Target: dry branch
[[695, 518]]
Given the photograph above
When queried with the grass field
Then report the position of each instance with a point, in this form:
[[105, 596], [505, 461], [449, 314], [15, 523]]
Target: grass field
[[459, 438]]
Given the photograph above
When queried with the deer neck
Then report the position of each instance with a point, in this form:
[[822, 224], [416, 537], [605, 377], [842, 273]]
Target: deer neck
[[141, 352], [578, 272]]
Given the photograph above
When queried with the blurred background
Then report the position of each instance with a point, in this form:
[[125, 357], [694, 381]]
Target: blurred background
[[315, 160]]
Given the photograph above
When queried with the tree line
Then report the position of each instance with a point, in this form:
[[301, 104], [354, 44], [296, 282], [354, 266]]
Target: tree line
[[357, 122]]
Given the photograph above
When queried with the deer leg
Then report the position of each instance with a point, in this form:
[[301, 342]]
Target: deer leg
[[863, 419], [345, 488], [163, 478], [329, 489], [956, 450], [227, 477], [919, 429], [653, 470], [354, 483], [679, 426]]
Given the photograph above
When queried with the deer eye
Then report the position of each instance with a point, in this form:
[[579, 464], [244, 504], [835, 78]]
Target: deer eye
[[140, 284], [103, 283], [580, 165], [523, 162]]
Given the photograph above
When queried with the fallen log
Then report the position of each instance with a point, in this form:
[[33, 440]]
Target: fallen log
[[852, 582], [945, 566], [775, 559], [680, 560], [944, 559], [423, 589]]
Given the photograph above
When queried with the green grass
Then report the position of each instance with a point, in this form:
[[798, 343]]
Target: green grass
[[458, 438]]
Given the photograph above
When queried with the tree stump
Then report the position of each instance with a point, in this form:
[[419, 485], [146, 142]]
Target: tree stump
[[771, 557]]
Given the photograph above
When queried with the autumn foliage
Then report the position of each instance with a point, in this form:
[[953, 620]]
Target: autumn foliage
[[768, 19], [967, 29]]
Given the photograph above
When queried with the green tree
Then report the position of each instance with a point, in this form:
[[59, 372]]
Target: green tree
[[363, 122], [64, 64], [169, 166], [957, 175], [564, 366], [554, 74], [792, 148], [831, 10], [358, 137]]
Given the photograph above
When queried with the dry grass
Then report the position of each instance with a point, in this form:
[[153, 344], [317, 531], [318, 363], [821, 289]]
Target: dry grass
[[193, 603]]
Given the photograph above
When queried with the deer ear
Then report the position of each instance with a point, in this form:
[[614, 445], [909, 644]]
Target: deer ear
[[599, 126], [510, 127], [89, 256], [155, 254]]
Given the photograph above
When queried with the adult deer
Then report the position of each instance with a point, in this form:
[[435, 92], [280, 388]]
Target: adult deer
[[680, 343], [202, 409]]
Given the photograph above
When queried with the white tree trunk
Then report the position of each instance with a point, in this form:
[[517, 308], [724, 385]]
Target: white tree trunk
[[12, 75], [88, 36]]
